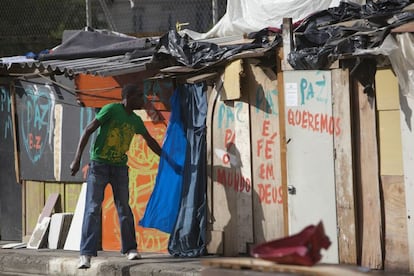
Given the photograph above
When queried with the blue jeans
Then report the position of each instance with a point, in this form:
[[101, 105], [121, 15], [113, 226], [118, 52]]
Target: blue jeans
[[99, 175]]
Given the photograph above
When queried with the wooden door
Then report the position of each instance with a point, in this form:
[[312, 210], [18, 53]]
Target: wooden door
[[310, 130]]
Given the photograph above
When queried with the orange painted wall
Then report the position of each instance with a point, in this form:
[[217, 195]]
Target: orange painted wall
[[142, 162]]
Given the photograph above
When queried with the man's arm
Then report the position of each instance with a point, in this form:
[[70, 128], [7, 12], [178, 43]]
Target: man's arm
[[152, 143], [91, 127]]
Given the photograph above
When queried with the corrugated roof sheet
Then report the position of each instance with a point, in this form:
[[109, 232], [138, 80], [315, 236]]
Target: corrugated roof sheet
[[105, 66]]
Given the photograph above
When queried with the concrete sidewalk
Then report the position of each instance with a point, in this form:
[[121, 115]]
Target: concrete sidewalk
[[62, 262], [25, 261]]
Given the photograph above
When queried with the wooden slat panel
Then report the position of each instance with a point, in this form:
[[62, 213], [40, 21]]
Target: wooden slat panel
[[35, 200], [367, 179], [266, 164], [214, 237], [232, 205], [71, 195], [390, 142], [345, 202], [396, 241], [247, 266], [242, 150], [224, 197], [386, 89], [407, 135]]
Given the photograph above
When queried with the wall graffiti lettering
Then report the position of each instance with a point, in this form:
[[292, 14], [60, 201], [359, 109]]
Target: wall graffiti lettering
[[228, 115], [264, 99], [316, 90], [5, 108], [233, 179], [270, 194], [265, 148], [37, 122], [315, 122]]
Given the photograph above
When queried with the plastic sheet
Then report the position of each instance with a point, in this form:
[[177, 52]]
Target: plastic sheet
[[162, 208], [183, 50], [326, 31], [246, 16]]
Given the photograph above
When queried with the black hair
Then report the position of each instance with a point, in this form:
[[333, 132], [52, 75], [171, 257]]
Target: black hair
[[128, 89]]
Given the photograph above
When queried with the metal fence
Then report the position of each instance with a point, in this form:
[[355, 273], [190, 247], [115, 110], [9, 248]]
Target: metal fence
[[34, 25]]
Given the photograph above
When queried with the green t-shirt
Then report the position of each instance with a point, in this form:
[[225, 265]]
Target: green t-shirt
[[115, 134]]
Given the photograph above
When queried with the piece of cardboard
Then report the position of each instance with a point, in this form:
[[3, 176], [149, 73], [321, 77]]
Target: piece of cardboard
[[73, 239]]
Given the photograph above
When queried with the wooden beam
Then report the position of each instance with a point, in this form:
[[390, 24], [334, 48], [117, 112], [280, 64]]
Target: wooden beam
[[288, 43], [283, 143], [407, 137], [396, 241], [201, 77], [367, 179], [345, 202], [15, 131]]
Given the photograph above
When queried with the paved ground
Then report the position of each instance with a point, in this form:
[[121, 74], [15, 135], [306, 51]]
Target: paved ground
[[23, 262], [62, 262]]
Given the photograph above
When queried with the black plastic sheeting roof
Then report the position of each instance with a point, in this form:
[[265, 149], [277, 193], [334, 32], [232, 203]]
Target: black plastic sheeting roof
[[106, 54], [320, 39], [325, 36]]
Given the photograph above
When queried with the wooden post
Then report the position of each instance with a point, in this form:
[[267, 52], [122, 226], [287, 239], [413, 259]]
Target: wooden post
[[367, 179], [288, 43], [282, 130], [345, 202], [15, 131]]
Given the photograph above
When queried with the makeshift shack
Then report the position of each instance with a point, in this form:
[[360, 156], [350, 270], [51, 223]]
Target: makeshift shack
[[316, 127]]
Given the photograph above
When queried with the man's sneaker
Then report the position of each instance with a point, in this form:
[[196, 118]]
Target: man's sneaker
[[84, 261], [133, 255]]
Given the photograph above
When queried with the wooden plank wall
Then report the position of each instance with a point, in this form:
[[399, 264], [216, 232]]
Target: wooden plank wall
[[396, 254], [244, 187], [35, 196], [268, 200]]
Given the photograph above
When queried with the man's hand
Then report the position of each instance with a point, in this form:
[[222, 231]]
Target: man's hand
[[74, 167]]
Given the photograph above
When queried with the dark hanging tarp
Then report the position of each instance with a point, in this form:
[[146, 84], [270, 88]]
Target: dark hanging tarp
[[188, 239], [162, 208], [178, 203]]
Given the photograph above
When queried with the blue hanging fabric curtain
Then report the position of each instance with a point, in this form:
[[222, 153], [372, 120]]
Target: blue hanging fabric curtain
[[162, 208], [188, 238]]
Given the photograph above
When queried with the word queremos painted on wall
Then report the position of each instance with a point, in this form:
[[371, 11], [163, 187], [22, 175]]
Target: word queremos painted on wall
[[309, 120]]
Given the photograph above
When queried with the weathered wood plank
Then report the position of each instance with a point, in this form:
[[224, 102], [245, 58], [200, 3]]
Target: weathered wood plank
[[252, 264], [231, 174], [266, 164], [35, 200], [396, 240], [367, 181], [283, 143], [214, 237], [241, 149], [407, 136], [345, 202], [72, 191]]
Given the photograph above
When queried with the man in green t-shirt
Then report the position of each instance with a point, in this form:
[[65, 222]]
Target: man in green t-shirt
[[117, 125]]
